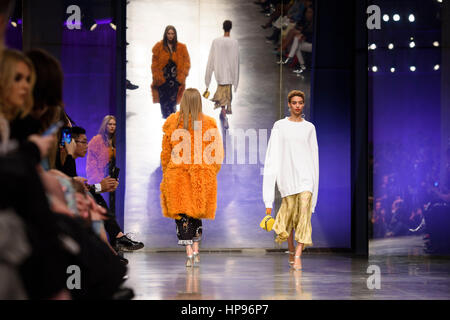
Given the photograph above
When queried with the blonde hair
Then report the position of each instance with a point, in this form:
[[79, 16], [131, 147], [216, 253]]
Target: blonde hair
[[8, 62], [191, 105], [103, 131], [296, 93]]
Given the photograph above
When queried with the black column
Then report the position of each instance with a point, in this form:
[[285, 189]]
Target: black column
[[120, 14], [42, 25], [339, 99], [360, 174]]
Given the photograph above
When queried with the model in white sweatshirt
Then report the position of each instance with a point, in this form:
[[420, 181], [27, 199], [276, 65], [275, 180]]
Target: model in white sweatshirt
[[292, 162], [223, 61]]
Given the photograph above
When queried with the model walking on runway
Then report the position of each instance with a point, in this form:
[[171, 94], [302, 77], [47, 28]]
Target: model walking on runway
[[292, 161], [170, 67], [191, 157], [223, 61]]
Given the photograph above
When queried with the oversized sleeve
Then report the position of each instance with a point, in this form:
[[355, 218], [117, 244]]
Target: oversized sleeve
[[210, 65], [214, 154], [157, 69], [185, 65], [271, 167], [93, 170], [315, 157], [166, 151], [236, 67]]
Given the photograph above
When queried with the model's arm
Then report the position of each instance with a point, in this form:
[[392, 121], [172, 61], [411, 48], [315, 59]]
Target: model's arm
[[236, 68], [214, 152], [157, 69], [183, 69], [271, 165], [315, 156], [209, 66], [166, 152]]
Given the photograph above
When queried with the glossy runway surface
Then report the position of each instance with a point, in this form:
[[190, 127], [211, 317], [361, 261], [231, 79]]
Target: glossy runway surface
[[256, 105], [266, 276]]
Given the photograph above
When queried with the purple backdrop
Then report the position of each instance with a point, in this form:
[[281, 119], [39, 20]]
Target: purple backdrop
[[88, 60], [406, 121], [14, 36]]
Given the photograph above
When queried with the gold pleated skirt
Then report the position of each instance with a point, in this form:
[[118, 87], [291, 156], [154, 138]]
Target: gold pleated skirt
[[223, 96], [295, 213]]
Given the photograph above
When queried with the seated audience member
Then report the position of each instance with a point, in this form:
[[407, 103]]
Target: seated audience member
[[100, 164], [56, 240]]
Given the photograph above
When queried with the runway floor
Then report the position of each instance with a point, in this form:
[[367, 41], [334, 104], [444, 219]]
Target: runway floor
[[259, 275]]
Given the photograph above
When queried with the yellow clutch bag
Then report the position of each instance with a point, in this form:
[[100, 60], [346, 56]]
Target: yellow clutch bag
[[206, 94], [267, 223]]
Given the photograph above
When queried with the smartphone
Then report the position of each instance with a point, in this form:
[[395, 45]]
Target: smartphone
[[53, 128], [115, 173], [66, 136]]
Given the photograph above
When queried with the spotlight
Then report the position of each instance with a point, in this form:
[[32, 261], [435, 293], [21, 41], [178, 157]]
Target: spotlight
[[440, 1], [386, 18], [112, 25], [436, 43], [374, 69], [412, 44], [412, 68], [373, 46], [14, 24], [392, 69], [92, 28], [396, 17], [391, 46], [436, 67], [411, 18]]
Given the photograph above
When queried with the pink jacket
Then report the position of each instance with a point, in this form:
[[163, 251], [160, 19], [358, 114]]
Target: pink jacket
[[97, 160]]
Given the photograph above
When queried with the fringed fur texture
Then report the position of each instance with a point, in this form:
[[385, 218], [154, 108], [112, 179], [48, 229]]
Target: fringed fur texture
[[97, 159], [159, 60], [189, 188]]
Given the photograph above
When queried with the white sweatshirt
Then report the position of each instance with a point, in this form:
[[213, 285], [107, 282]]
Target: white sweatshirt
[[292, 161], [224, 62]]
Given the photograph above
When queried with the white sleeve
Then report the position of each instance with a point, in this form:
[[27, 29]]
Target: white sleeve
[[271, 165], [236, 68], [315, 156], [210, 66]]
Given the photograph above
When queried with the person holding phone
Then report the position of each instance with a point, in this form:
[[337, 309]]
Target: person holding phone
[[101, 163]]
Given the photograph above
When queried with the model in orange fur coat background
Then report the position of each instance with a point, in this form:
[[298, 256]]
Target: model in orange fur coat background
[[189, 184], [170, 67]]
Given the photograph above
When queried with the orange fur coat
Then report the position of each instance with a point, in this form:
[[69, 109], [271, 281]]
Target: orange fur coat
[[159, 60], [190, 188]]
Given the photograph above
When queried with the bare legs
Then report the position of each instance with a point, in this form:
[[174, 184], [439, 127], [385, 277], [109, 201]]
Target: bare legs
[[195, 247], [192, 254], [295, 254], [223, 116], [192, 249], [291, 247], [189, 250], [298, 257]]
